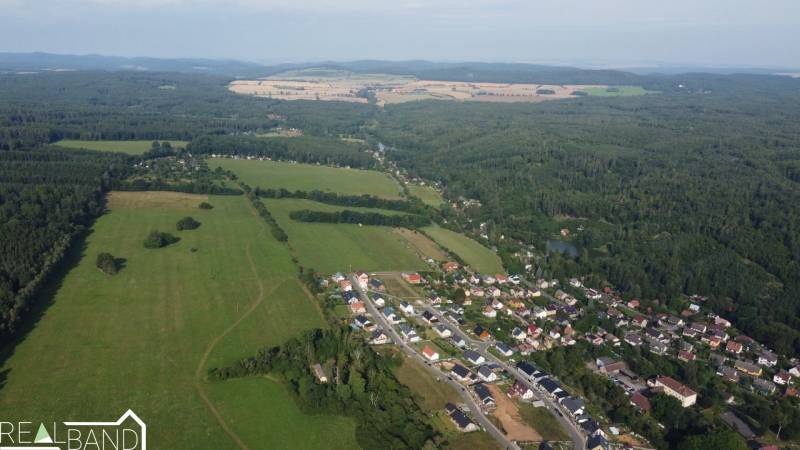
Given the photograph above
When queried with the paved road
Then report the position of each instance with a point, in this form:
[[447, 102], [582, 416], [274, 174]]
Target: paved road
[[482, 347], [477, 413]]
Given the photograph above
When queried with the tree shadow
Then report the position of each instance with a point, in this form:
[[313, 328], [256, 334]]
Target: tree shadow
[[42, 300], [120, 263]]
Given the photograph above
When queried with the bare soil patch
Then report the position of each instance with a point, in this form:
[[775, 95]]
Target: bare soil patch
[[508, 415]]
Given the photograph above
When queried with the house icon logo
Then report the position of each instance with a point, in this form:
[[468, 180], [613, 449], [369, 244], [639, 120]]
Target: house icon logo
[[129, 432]]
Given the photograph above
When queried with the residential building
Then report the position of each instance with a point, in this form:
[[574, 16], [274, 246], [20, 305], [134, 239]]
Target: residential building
[[484, 395], [430, 354], [684, 394]]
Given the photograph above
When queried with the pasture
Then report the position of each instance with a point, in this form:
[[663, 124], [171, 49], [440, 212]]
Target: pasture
[[427, 194], [474, 254], [308, 177], [144, 338], [330, 248], [129, 147]]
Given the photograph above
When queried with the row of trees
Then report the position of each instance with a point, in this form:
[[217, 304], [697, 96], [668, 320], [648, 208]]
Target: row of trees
[[412, 205], [362, 218], [277, 232]]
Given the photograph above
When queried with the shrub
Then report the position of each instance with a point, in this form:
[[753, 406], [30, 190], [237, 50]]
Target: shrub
[[187, 223], [108, 264], [205, 205], [157, 239]]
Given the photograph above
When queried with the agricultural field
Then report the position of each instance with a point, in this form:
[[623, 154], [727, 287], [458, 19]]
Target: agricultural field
[[616, 91], [422, 244], [330, 248], [339, 85], [308, 177], [225, 290], [473, 253], [130, 147], [427, 194]]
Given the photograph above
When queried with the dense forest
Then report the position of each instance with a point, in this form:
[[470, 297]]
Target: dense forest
[[47, 198], [687, 193]]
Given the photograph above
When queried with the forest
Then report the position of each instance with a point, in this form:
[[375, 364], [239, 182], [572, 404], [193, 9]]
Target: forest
[[367, 218]]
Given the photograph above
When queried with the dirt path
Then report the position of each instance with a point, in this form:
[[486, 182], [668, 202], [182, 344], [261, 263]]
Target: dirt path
[[508, 414]]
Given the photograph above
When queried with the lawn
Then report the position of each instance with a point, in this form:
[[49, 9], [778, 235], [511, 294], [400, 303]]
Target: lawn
[[473, 253], [427, 194], [330, 248], [307, 177], [130, 147], [144, 338], [543, 421], [432, 395], [621, 91]]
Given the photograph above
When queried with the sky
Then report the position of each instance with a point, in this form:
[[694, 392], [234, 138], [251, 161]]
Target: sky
[[614, 33]]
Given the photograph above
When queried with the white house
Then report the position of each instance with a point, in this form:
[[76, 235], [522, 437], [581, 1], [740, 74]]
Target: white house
[[406, 307], [430, 354]]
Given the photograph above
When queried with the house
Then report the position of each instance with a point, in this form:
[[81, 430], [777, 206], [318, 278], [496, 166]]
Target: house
[[358, 308], [593, 294], [576, 283], [430, 354], [319, 373], [504, 349], [376, 285], [363, 279], [686, 356], [378, 299], [633, 339], [639, 321], [554, 334], [379, 338], [486, 374], [461, 421], [633, 304], [350, 297], [654, 334], [782, 377], [597, 442], [768, 359], [608, 365], [488, 279], [409, 334], [484, 395], [489, 312], [748, 368], [613, 340], [686, 396], [764, 386], [345, 285], [614, 313], [723, 322], [338, 276], [795, 371], [412, 278], [534, 331], [737, 424], [550, 386], [698, 327], [728, 374], [459, 341], [476, 291], [450, 266], [428, 317], [461, 373], [640, 402], [435, 298], [520, 390], [518, 334], [574, 405], [482, 333], [406, 308], [659, 348], [501, 279], [734, 347], [443, 331], [363, 323], [474, 357]]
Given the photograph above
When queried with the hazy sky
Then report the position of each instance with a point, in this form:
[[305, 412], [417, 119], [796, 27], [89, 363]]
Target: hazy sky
[[617, 32]]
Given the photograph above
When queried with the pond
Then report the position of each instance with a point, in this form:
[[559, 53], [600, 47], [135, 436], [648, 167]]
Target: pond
[[565, 248]]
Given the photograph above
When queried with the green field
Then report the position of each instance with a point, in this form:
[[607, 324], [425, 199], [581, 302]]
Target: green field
[[427, 194], [130, 147], [473, 253], [543, 421], [623, 91], [330, 248], [144, 338], [307, 177], [433, 395]]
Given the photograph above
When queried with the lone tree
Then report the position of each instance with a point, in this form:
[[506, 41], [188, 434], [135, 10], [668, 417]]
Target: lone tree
[[187, 223], [205, 205], [108, 264], [157, 239]]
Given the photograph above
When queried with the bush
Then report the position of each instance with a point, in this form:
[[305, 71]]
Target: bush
[[157, 239], [108, 264], [205, 205], [187, 223], [545, 91]]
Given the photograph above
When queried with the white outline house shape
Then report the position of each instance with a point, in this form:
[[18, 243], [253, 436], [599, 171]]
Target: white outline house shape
[[128, 414]]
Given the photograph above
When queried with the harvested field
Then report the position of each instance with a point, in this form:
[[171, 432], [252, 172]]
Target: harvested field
[[508, 415]]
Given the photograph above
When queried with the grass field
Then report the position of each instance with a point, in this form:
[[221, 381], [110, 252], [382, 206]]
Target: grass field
[[330, 248], [144, 338], [427, 194], [307, 177], [432, 395], [473, 253], [621, 91], [422, 244], [130, 147], [544, 422]]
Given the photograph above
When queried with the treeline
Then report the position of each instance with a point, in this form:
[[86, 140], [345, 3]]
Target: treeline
[[47, 199], [361, 385], [195, 187], [414, 205], [261, 208], [361, 218], [304, 149]]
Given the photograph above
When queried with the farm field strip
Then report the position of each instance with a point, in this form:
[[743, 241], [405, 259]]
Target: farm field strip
[[130, 147], [473, 253]]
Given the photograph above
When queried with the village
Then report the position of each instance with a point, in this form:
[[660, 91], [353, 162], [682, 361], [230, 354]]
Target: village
[[478, 332]]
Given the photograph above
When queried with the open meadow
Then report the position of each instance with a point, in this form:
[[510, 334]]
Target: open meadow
[[129, 147], [473, 253], [427, 194], [330, 248], [309, 177], [106, 342]]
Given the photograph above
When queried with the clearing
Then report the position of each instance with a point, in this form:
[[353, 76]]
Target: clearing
[[309, 177], [144, 338], [335, 247], [427, 194], [130, 147], [473, 253]]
